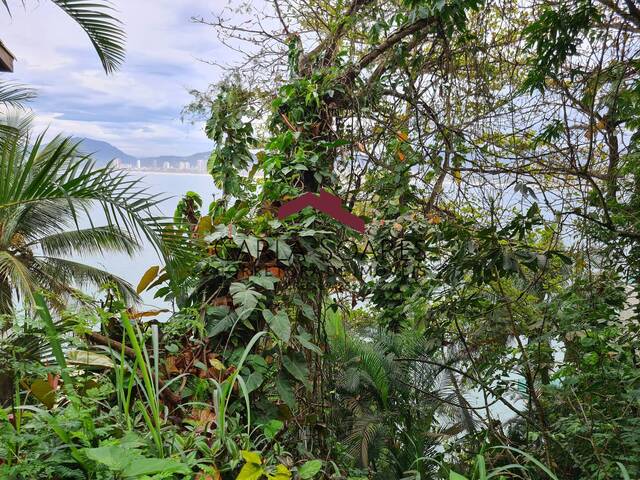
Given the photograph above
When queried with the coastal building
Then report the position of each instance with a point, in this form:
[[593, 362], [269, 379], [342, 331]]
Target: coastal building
[[6, 58]]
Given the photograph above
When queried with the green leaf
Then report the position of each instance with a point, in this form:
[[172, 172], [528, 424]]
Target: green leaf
[[251, 457], [248, 244], [265, 281], [151, 466], [481, 467], [250, 471], [296, 367], [529, 457], [307, 311], [254, 381], [258, 363], [281, 473], [623, 471], [305, 340], [216, 327], [245, 298], [220, 231], [310, 469], [271, 428], [279, 323], [92, 359], [54, 340], [113, 456], [282, 250], [456, 476], [285, 391]]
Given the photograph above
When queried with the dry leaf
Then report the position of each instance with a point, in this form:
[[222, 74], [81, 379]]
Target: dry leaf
[[434, 218], [457, 176], [149, 313], [215, 363], [170, 365]]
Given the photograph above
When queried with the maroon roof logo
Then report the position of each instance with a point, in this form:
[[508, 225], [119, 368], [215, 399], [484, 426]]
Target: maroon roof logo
[[326, 203]]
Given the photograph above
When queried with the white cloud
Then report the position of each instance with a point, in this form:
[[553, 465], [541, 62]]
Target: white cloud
[[136, 138], [138, 108], [135, 90]]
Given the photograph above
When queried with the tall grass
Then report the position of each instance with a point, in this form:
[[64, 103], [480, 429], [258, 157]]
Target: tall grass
[[124, 388], [149, 385], [222, 392]]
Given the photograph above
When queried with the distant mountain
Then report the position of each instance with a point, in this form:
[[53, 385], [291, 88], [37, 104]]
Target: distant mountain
[[104, 152]]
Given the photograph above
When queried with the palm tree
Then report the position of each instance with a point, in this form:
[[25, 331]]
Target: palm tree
[[45, 193], [103, 29], [393, 413]]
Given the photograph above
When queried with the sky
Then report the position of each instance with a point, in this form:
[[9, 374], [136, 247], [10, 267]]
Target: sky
[[137, 109]]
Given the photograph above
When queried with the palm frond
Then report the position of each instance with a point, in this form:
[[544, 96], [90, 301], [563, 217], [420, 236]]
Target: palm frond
[[54, 175], [67, 272], [365, 431], [373, 363], [36, 220], [349, 379], [6, 296], [13, 94], [104, 30], [366, 363], [15, 122], [28, 342], [88, 241], [464, 412], [17, 273]]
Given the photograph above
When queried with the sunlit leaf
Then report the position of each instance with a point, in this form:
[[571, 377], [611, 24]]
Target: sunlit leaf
[[310, 469], [147, 278], [85, 357], [281, 473]]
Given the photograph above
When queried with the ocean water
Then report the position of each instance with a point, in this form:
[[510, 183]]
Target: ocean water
[[172, 185]]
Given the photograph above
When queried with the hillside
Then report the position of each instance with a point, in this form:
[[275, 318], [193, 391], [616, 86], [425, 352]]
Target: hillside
[[104, 152]]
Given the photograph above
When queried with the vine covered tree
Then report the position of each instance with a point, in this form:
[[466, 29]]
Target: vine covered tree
[[492, 151]]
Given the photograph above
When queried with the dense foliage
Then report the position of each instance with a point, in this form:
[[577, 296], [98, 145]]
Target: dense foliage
[[485, 325]]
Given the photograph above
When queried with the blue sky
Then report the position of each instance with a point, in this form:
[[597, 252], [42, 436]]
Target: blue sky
[[136, 109]]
